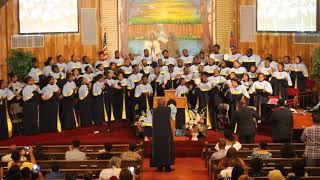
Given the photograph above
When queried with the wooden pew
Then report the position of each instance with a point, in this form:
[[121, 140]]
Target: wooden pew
[[270, 162]]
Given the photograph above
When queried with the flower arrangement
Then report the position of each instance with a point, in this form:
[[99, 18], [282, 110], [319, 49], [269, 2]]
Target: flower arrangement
[[196, 125]]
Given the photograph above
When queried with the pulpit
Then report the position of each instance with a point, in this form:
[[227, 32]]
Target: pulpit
[[170, 94]]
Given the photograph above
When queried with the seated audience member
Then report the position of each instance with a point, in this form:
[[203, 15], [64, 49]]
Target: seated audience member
[[287, 151], [114, 168], [16, 159], [256, 168], [237, 171], [126, 174], [74, 154], [298, 169], [231, 160], [230, 141], [311, 137], [13, 173], [280, 167], [221, 153], [262, 152], [7, 158], [55, 173], [131, 155], [71, 176], [106, 154], [38, 153], [275, 175]]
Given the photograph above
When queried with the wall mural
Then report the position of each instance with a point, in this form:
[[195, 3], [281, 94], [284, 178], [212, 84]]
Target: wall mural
[[167, 24]]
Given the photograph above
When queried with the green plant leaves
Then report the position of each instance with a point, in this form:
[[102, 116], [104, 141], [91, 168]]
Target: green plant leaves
[[20, 62]]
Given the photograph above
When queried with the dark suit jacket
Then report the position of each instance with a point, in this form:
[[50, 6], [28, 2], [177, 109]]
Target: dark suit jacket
[[282, 123], [244, 118], [104, 156]]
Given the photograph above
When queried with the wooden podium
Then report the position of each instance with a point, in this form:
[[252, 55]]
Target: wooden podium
[[171, 94]]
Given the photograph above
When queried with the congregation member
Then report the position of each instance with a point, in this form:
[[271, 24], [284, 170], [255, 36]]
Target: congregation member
[[18, 158], [230, 141], [229, 162], [106, 152], [222, 152], [131, 154], [262, 152], [256, 170], [282, 118], [74, 153], [114, 169], [55, 173]]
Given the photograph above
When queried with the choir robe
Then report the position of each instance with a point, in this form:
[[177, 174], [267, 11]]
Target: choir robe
[[261, 90], [149, 59], [156, 81], [238, 71], [232, 58], [62, 67], [85, 108], [224, 71], [181, 91], [144, 100], [118, 61], [210, 69], [30, 120], [188, 77], [178, 70], [89, 76], [253, 76], [287, 67], [187, 60], [68, 115], [280, 82], [234, 96], [247, 61], [266, 71], [49, 109], [217, 96], [110, 98], [16, 89], [171, 80], [194, 68], [133, 81], [73, 65], [5, 121], [146, 70], [169, 60], [127, 70], [217, 58], [35, 73], [203, 93], [164, 69], [84, 65], [120, 99], [298, 74], [47, 70], [105, 63], [99, 112], [273, 65], [60, 77]]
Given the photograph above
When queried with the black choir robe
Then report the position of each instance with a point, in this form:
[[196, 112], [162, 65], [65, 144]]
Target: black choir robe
[[30, 120], [49, 118]]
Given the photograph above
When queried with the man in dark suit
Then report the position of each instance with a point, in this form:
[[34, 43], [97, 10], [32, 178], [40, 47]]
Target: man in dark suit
[[282, 123], [243, 120], [163, 154]]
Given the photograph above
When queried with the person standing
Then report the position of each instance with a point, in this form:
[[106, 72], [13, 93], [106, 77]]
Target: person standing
[[243, 120], [282, 123], [311, 137], [163, 153]]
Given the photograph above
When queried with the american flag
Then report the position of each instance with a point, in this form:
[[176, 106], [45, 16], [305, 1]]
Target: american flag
[[104, 41], [231, 39]]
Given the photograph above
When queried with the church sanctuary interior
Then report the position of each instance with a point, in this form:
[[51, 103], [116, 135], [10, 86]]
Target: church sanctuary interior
[[159, 89]]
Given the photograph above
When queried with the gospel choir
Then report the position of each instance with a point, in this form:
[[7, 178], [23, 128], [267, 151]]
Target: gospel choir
[[112, 89]]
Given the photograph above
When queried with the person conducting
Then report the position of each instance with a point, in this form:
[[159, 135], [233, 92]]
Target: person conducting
[[163, 153]]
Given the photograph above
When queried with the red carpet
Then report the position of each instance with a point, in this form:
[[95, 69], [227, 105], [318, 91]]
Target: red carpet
[[121, 133]]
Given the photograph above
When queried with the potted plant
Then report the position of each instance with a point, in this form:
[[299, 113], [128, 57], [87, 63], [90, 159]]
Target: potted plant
[[19, 62], [316, 65]]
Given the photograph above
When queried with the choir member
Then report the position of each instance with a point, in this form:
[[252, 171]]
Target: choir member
[[195, 67], [253, 75], [224, 70], [210, 67], [85, 102], [35, 72], [58, 75], [99, 69], [234, 55], [120, 97], [217, 79], [249, 59], [73, 64], [272, 63], [49, 120], [171, 78], [299, 74], [215, 53], [146, 56], [181, 91], [98, 104], [134, 60], [30, 120], [85, 63], [5, 121], [102, 60], [261, 89], [16, 87], [167, 59], [187, 75], [287, 63], [112, 67], [172, 104], [266, 70], [116, 59], [146, 69], [109, 94], [179, 68], [60, 63], [238, 69], [186, 58], [68, 115], [126, 68], [88, 74], [158, 82], [48, 66], [202, 94], [246, 81], [280, 82], [133, 81], [143, 93], [76, 73], [203, 58]]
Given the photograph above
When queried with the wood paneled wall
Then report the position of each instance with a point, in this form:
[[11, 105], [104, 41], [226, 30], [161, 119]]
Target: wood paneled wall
[[277, 44], [62, 43]]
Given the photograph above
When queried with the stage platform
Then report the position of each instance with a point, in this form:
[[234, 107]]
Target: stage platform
[[121, 133]]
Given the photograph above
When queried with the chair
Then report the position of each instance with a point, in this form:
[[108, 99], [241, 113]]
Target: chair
[[15, 113]]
